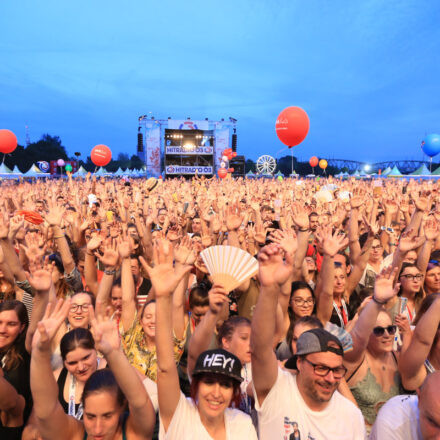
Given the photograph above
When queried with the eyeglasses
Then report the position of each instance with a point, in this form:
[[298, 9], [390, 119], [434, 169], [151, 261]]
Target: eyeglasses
[[301, 301], [379, 331], [77, 307], [323, 370], [375, 248], [412, 277]]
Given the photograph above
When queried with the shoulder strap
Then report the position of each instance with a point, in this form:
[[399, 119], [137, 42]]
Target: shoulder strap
[[356, 369]]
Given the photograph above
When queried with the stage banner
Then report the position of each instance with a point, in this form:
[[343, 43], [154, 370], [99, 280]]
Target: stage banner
[[221, 143], [177, 169], [175, 124], [153, 151], [180, 150]]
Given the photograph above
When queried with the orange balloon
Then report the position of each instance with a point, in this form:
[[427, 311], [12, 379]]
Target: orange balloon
[[222, 173], [8, 141], [292, 126], [323, 164], [101, 155], [313, 161]]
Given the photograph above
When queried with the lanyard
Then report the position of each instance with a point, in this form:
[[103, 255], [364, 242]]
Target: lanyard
[[72, 389], [410, 315], [343, 319]]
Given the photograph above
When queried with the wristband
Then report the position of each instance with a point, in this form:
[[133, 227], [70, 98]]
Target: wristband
[[381, 303], [110, 272], [59, 236], [391, 244]]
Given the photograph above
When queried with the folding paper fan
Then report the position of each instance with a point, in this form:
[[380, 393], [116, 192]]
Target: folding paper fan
[[31, 216], [229, 266]]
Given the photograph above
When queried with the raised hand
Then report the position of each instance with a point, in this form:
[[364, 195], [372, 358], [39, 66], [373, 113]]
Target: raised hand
[[331, 244], [15, 224], [286, 240], [420, 202], [184, 253], [105, 332], [431, 229], [233, 218], [49, 325], [383, 287], [300, 218], [94, 243], [408, 242], [273, 270], [4, 225], [40, 279], [373, 226], [110, 256], [164, 277], [217, 297], [55, 214], [357, 199], [125, 247]]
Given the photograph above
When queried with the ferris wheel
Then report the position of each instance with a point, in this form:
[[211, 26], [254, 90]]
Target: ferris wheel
[[266, 164]]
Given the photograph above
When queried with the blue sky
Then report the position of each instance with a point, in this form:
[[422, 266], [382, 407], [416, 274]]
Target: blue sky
[[366, 71]]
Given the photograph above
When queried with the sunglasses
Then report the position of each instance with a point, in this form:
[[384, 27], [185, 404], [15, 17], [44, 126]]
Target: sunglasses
[[379, 331]]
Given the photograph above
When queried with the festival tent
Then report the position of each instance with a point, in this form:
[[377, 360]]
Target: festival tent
[[279, 174], [81, 172], [5, 172], [386, 171], [251, 175], [421, 172], [34, 171], [16, 171], [436, 172], [119, 172], [395, 172]]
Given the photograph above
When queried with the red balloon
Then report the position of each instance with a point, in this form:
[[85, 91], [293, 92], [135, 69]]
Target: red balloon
[[231, 170], [234, 154], [313, 161], [101, 155], [222, 173], [292, 126], [8, 141]]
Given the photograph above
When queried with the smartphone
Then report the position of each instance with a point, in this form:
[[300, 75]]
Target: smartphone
[[402, 304], [185, 207], [404, 189]]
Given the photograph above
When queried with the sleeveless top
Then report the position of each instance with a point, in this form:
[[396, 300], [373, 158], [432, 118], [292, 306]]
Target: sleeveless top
[[369, 394], [61, 383], [124, 422]]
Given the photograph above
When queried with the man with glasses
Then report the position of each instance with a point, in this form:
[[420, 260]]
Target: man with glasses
[[310, 400]]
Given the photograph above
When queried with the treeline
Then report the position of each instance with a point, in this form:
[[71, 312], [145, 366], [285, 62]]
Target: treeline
[[51, 148]]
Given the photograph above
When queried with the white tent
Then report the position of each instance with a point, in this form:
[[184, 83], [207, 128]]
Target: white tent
[[5, 171], [34, 171], [16, 171], [81, 172]]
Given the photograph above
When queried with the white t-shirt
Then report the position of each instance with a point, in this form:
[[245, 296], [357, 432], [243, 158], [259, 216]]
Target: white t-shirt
[[398, 419], [186, 424], [284, 414]]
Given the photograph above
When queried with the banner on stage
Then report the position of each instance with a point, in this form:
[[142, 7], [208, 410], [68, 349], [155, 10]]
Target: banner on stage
[[175, 124], [177, 169], [182, 150]]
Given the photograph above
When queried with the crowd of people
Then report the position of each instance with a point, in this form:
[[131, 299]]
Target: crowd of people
[[112, 327]]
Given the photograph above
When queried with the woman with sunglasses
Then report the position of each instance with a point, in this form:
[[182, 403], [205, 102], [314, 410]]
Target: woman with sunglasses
[[422, 357], [372, 372]]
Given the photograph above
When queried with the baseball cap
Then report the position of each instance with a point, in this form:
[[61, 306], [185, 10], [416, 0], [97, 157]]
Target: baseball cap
[[316, 340], [219, 361]]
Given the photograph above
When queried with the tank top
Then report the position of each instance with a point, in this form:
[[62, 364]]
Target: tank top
[[124, 422], [61, 383], [369, 394]]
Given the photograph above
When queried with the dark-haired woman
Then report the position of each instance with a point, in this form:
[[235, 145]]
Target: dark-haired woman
[[80, 361], [234, 335], [216, 376], [106, 393]]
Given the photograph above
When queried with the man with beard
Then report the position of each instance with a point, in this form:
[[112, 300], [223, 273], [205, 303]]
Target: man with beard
[[308, 400]]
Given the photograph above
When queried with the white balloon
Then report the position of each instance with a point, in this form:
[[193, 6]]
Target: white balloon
[[225, 158], [222, 165]]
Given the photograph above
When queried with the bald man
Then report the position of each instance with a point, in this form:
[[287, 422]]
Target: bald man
[[411, 417]]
